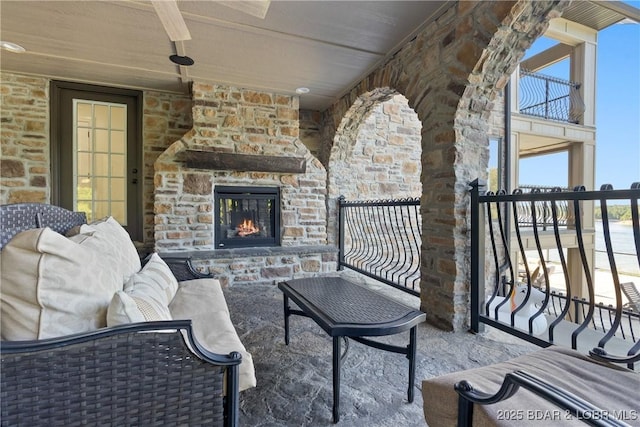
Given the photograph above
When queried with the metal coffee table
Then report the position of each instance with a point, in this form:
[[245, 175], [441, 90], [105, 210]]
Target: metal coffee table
[[347, 310]]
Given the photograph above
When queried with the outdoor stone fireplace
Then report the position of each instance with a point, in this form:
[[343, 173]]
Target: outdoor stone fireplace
[[243, 139]]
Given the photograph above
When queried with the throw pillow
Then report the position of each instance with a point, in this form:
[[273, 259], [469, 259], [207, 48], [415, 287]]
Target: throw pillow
[[131, 308], [53, 286], [123, 254], [155, 279]]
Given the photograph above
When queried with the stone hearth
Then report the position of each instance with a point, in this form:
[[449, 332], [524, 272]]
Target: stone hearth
[[244, 124]]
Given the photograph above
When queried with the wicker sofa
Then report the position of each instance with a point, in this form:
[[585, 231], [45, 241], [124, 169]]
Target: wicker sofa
[[90, 335]]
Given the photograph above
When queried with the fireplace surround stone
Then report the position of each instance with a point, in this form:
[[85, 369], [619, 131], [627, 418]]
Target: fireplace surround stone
[[242, 122]]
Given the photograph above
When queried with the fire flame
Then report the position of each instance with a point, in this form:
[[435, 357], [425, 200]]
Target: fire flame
[[247, 228]]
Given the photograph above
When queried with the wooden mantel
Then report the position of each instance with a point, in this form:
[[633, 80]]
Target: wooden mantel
[[215, 160]]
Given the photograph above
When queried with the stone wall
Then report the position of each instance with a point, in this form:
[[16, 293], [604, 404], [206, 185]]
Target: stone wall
[[24, 139], [167, 117], [376, 155], [310, 131], [451, 73]]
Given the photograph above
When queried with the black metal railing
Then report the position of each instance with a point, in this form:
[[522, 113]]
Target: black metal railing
[[543, 214], [603, 319], [503, 296], [381, 239], [550, 98]]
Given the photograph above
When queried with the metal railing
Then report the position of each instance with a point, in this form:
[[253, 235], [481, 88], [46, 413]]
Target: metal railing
[[381, 239], [491, 249], [603, 319], [543, 214], [550, 98]]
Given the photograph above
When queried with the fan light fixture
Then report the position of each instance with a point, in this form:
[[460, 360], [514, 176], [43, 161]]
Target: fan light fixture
[[181, 60], [11, 47]]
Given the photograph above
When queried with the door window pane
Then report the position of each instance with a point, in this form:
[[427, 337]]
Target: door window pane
[[102, 164], [83, 136], [84, 165], [101, 189], [118, 118], [101, 209], [101, 115], [117, 165], [102, 140], [117, 141], [118, 212], [117, 189], [84, 113]]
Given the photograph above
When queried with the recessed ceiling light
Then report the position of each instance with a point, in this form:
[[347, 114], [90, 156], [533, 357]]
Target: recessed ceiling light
[[11, 47], [302, 90], [181, 60]]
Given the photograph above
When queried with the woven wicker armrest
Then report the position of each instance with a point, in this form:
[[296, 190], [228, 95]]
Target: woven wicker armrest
[[571, 403], [183, 269], [151, 373]]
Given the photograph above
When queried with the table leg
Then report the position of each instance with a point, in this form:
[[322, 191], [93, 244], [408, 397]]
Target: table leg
[[337, 364], [287, 313], [411, 355]]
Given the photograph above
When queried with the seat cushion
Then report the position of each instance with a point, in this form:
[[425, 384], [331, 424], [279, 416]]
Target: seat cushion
[[53, 285], [203, 302], [607, 386]]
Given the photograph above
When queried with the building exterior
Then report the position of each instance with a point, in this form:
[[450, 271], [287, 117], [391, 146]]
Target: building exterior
[[550, 115]]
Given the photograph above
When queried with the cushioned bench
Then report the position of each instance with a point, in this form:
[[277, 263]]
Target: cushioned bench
[[91, 335]]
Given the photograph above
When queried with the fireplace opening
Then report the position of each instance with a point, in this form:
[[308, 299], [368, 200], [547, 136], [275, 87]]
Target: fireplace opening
[[247, 216]]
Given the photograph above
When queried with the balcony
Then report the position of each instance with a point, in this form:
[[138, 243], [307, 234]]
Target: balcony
[[549, 98]]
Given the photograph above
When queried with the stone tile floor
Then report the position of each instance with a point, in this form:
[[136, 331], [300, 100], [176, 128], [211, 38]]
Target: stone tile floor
[[294, 382]]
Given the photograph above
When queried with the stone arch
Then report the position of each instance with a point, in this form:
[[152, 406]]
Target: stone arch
[[450, 73], [375, 154]]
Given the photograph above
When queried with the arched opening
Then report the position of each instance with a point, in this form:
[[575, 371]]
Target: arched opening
[[376, 153]]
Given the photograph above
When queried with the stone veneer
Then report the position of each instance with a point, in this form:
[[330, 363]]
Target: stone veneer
[[242, 122], [24, 139], [376, 156], [166, 118]]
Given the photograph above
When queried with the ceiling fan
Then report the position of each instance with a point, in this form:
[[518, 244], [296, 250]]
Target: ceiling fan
[[176, 28]]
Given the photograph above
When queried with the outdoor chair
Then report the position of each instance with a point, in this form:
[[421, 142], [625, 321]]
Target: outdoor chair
[[633, 295]]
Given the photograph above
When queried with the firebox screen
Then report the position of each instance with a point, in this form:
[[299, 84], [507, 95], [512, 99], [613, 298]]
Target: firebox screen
[[247, 216]]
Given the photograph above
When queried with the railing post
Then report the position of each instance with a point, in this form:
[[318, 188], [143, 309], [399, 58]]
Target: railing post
[[477, 262], [341, 200]]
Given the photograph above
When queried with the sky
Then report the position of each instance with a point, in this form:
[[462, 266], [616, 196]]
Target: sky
[[617, 113]]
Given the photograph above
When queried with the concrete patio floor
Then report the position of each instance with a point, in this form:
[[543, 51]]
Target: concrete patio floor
[[295, 381]]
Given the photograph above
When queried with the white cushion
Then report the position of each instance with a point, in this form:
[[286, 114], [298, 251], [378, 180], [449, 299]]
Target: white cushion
[[122, 254], [53, 285], [202, 301], [155, 278], [137, 307]]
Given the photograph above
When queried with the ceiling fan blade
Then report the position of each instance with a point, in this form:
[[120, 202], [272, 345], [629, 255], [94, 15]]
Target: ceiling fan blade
[[171, 19], [257, 8]]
